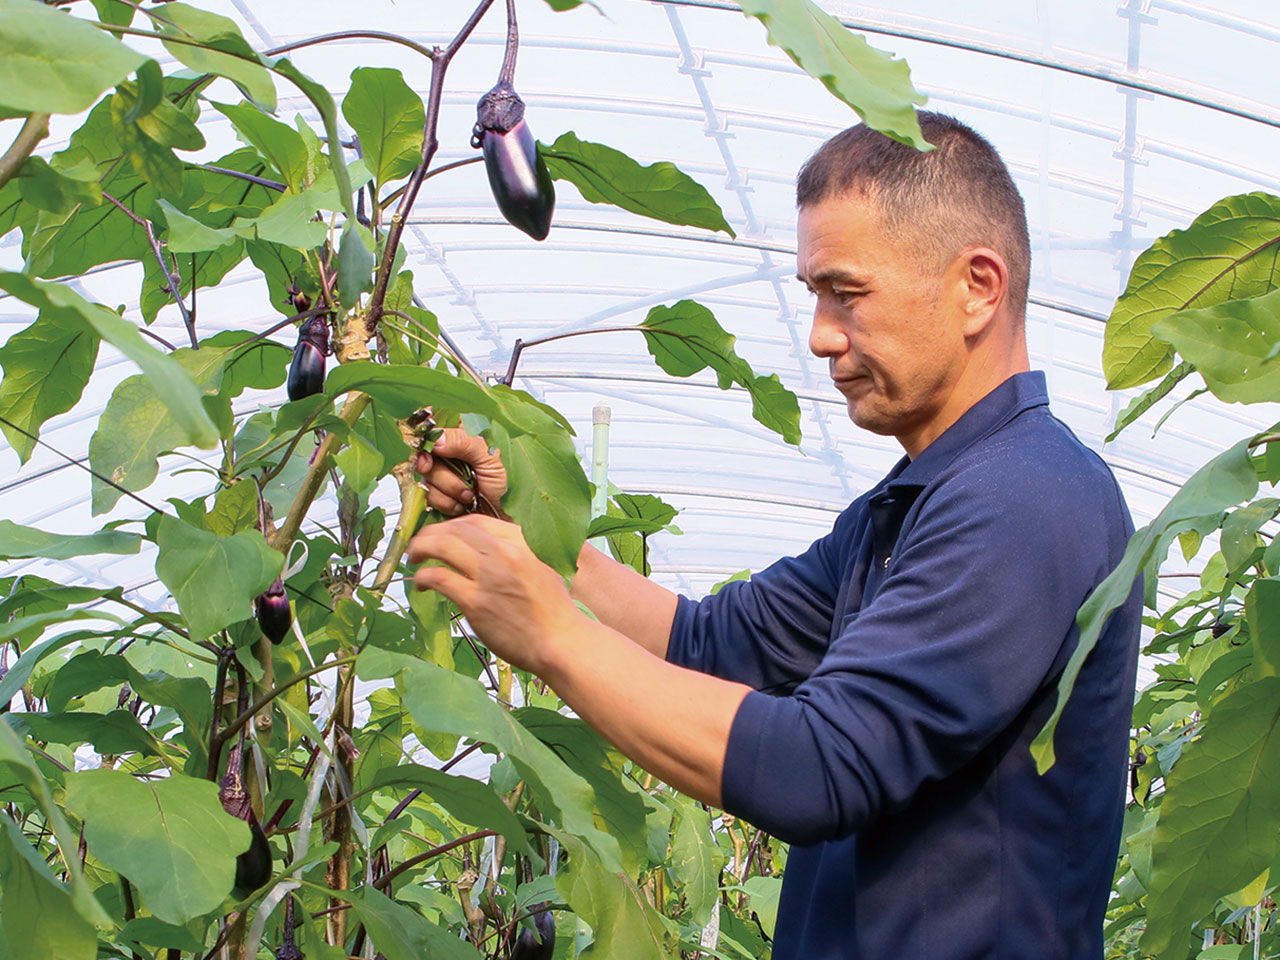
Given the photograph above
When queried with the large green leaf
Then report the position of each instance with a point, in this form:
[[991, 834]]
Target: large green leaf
[[400, 933], [323, 102], [49, 188], [172, 384], [188, 235], [1262, 607], [116, 733], [1224, 481], [46, 367], [469, 800], [626, 927], [1219, 823], [1228, 252], [446, 702], [136, 427], [18, 541], [277, 142], [620, 811], [214, 579], [1233, 345], [388, 117], [169, 836], [37, 916], [158, 165], [877, 86], [686, 338], [661, 191], [230, 56], [15, 757], [1149, 398], [696, 859], [55, 63], [403, 389]]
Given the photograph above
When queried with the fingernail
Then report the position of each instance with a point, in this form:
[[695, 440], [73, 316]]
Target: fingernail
[[468, 497]]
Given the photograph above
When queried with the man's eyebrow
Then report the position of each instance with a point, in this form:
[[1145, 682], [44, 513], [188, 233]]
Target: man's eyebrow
[[832, 274]]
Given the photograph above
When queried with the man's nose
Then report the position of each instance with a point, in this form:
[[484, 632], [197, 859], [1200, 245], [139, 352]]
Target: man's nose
[[826, 338]]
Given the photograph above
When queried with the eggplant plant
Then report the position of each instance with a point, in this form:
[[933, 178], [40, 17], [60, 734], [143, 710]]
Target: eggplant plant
[[197, 781]]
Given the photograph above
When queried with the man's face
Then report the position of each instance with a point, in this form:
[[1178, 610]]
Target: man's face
[[886, 321]]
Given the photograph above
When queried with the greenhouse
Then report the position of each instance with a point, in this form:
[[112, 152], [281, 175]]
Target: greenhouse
[[273, 687]]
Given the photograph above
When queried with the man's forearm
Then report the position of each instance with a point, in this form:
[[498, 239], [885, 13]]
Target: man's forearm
[[631, 604], [673, 722]]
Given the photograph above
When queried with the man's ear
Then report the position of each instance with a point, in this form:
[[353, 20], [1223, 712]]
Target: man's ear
[[983, 278]]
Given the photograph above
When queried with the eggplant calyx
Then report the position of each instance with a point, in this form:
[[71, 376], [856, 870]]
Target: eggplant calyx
[[497, 112], [315, 331]]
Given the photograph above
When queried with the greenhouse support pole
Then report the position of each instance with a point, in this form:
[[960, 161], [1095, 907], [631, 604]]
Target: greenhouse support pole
[[601, 414]]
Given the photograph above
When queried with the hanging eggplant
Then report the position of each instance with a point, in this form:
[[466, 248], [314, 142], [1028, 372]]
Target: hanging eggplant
[[273, 612], [306, 372], [253, 867], [518, 175], [540, 945]]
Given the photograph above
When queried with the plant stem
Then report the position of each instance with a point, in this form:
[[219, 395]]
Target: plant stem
[[396, 194], [413, 499], [215, 741], [35, 129], [173, 287], [439, 64], [508, 72], [234, 726], [385, 880], [352, 35], [285, 534], [240, 175], [522, 345]]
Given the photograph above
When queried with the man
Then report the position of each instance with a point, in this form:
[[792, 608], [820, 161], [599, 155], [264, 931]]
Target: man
[[873, 700]]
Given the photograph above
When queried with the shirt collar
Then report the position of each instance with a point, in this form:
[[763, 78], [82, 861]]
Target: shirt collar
[[1020, 392]]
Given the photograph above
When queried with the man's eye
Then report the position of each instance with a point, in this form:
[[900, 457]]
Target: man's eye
[[846, 297]]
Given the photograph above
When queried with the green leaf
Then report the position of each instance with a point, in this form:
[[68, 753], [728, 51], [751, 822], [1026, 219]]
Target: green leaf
[[116, 733], [171, 383], [231, 56], [156, 164], [15, 756], [323, 102], [548, 494], [170, 837], [764, 893], [470, 801], [189, 235], [39, 920], [446, 702], [170, 127], [1226, 253], [17, 541], [278, 143], [660, 191], [696, 859], [149, 87], [52, 62], [355, 264], [1224, 481], [1149, 398], [1219, 823], [622, 920], [388, 117], [618, 810], [46, 367], [1262, 608], [214, 579], [400, 933], [50, 189], [877, 86], [1240, 528], [1232, 345], [360, 462], [403, 389], [686, 338]]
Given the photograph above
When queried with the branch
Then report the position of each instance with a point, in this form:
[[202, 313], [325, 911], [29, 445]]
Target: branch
[[385, 880], [240, 175], [508, 71], [246, 715], [521, 345], [439, 64], [187, 320], [33, 131], [352, 35]]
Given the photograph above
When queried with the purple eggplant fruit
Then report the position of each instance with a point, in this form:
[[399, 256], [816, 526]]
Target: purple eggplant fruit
[[518, 175], [306, 373], [253, 867], [273, 613], [540, 945]]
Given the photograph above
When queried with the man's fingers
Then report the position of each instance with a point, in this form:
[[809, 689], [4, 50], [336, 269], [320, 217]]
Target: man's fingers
[[449, 583], [448, 546]]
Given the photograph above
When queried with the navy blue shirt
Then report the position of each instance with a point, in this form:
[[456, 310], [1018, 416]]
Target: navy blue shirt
[[901, 667]]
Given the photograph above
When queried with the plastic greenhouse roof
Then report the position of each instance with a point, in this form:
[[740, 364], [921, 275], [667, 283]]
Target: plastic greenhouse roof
[[1120, 121]]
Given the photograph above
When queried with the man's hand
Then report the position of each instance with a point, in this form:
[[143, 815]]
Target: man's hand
[[517, 605], [447, 492]]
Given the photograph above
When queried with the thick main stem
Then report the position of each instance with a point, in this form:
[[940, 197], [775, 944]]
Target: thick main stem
[[287, 532], [338, 874], [33, 131]]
